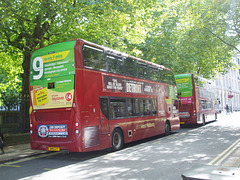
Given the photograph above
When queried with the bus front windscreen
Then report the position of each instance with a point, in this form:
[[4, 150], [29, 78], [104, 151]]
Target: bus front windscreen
[[52, 72]]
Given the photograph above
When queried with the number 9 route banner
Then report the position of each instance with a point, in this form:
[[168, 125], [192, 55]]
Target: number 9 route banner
[[52, 74]]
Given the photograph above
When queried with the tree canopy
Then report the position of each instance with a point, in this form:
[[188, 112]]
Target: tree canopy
[[196, 36]]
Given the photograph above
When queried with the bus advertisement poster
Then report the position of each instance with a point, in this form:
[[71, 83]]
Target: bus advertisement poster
[[57, 93], [53, 130], [52, 77]]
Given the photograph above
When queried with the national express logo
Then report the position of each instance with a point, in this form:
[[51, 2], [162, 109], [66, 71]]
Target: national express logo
[[43, 131]]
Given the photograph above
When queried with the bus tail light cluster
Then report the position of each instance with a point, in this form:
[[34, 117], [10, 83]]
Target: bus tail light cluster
[[31, 126], [194, 112], [31, 131], [77, 131], [77, 125]]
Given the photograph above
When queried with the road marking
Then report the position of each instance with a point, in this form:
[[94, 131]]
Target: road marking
[[31, 158], [172, 137], [226, 165], [221, 157], [226, 155], [48, 169], [140, 147], [1, 165], [156, 142], [109, 156]]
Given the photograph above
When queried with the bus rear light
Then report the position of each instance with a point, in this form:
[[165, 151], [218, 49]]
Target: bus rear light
[[77, 131], [31, 125], [194, 112], [31, 131], [76, 124]]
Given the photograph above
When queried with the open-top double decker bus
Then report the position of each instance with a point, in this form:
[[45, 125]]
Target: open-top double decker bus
[[197, 100], [87, 97]]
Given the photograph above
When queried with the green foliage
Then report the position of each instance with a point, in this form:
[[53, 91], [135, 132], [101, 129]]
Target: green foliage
[[10, 67], [191, 36], [10, 82], [187, 36]]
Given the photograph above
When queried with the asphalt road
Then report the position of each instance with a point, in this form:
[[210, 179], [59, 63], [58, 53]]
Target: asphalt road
[[161, 157]]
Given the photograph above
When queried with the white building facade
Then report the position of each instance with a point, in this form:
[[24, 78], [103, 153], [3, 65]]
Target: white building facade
[[228, 86]]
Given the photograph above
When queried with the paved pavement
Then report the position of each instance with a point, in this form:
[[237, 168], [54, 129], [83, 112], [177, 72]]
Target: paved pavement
[[17, 152]]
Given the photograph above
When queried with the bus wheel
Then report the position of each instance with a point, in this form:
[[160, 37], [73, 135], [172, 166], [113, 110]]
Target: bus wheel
[[167, 128], [117, 140]]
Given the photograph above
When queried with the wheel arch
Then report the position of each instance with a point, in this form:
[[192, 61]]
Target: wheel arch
[[170, 125], [121, 133], [167, 127], [118, 127]]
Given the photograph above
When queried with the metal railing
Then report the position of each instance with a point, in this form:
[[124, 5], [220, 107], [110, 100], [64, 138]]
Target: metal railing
[[14, 114]]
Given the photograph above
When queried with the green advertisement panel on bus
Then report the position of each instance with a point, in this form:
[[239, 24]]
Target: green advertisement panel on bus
[[185, 87], [52, 73]]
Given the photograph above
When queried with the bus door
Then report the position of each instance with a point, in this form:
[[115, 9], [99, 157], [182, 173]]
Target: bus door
[[104, 116]]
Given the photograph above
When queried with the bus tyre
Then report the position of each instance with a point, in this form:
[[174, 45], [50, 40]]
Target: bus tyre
[[167, 128], [117, 140]]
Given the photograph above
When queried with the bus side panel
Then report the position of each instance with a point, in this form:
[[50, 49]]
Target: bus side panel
[[138, 128], [91, 121], [78, 105], [175, 123], [171, 109]]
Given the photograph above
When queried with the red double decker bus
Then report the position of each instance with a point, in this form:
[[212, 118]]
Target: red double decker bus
[[198, 104], [87, 97]]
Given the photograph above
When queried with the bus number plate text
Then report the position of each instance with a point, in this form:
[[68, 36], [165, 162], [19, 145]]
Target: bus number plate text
[[54, 148]]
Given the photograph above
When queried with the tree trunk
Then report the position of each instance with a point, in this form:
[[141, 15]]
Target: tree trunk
[[25, 76], [25, 100]]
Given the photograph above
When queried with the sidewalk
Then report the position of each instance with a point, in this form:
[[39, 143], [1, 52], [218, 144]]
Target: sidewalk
[[17, 152]]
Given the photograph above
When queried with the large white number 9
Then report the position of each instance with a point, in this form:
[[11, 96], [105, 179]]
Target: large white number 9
[[38, 68]]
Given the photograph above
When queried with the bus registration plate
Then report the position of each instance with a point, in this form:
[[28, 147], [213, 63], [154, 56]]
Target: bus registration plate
[[54, 148]]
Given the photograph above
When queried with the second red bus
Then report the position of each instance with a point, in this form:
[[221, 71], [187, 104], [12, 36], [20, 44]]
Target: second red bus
[[197, 100]]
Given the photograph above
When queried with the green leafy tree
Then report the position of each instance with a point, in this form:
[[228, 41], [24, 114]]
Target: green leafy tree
[[185, 35], [191, 36], [10, 82], [27, 25], [32, 24]]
